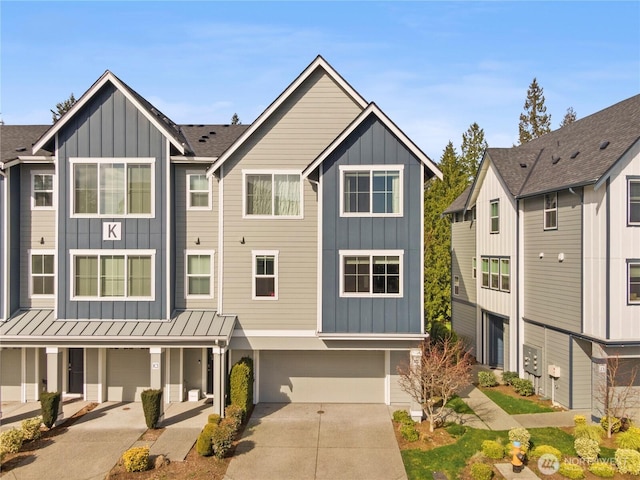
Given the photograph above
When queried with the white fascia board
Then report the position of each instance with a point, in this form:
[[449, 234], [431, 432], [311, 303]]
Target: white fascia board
[[373, 336], [372, 109], [478, 181], [30, 159], [88, 95], [185, 159], [319, 62]]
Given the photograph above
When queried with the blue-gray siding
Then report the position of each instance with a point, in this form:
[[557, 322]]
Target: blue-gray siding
[[372, 144], [111, 126]]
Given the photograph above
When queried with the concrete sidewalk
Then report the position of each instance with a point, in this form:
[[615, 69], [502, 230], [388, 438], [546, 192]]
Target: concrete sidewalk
[[13, 413]]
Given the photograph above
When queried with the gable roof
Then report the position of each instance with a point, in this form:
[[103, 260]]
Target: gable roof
[[319, 62], [460, 203], [372, 109], [155, 116], [210, 141]]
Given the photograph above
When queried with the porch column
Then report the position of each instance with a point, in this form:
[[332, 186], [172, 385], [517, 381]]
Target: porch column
[[54, 375], [156, 375], [102, 375], [219, 379]]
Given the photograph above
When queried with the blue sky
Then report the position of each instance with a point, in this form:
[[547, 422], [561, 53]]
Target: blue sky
[[433, 67]]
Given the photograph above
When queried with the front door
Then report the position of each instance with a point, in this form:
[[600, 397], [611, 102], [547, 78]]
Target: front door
[[496, 341], [76, 370]]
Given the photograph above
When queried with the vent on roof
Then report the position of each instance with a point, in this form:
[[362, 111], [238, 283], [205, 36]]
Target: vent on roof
[[21, 149], [205, 136], [604, 144], [575, 154], [523, 165], [212, 133], [554, 159], [201, 125], [225, 125], [201, 140]]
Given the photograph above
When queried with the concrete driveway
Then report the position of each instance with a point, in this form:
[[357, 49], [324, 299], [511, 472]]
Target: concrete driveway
[[318, 441]]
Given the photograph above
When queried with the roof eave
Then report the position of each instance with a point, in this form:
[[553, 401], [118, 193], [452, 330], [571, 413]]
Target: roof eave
[[603, 178]]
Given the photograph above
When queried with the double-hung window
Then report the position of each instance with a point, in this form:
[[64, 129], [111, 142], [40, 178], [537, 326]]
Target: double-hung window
[[494, 215], [265, 275], [42, 273], [496, 273], [42, 191], [371, 274], [374, 190], [551, 211], [633, 281], [485, 272], [270, 194], [112, 274], [112, 187], [198, 192], [199, 271], [634, 201], [456, 285]]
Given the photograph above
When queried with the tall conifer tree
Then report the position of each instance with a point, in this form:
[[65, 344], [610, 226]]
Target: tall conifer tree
[[534, 121]]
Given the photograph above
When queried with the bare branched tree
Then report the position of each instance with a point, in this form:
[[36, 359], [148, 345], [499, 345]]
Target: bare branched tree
[[616, 391], [444, 368]]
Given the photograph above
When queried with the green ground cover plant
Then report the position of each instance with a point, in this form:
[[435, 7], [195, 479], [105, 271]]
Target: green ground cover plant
[[514, 406], [459, 406]]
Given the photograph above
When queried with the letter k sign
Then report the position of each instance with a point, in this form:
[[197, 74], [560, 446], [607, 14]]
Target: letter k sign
[[112, 231]]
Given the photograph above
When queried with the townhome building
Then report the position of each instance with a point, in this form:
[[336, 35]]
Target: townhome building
[[546, 257], [137, 253]]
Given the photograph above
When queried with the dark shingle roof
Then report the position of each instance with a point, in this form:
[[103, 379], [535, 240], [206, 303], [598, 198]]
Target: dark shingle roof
[[17, 140], [211, 140], [460, 202]]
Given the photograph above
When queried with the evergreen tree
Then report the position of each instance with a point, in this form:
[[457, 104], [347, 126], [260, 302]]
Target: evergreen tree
[[62, 108], [534, 121], [473, 147], [235, 120], [569, 117]]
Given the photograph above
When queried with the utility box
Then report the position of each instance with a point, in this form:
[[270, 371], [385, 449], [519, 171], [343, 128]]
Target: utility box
[[554, 371], [194, 395], [532, 360]]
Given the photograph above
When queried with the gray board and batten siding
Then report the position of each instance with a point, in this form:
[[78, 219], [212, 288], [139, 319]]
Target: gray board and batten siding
[[109, 125], [372, 144]]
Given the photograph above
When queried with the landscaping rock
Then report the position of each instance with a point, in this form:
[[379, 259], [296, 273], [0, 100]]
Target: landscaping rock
[[160, 461]]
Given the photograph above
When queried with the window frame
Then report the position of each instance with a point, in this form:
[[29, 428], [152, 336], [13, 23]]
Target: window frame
[[456, 285], [343, 169], [210, 254], [489, 261], [484, 261], [631, 179], [546, 210], [209, 193], [111, 253], [630, 263], [273, 173], [126, 161], [34, 205], [371, 254], [495, 201], [48, 252], [474, 267], [254, 275]]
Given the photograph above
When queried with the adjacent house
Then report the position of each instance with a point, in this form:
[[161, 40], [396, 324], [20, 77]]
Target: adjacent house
[[139, 253], [546, 256]]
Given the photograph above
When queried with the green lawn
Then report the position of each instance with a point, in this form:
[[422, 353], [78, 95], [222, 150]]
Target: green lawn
[[514, 406], [459, 406]]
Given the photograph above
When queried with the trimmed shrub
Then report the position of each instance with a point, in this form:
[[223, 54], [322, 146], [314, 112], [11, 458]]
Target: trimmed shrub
[[523, 387], [587, 448], [234, 414], [540, 450], [571, 470], [136, 459], [629, 439], [204, 446], [602, 470], [49, 404], [487, 379], [222, 437], [615, 424], [241, 384], [481, 471], [456, 430], [628, 461], [214, 418], [522, 435], [439, 332], [509, 377], [409, 433], [402, 416], [594, 432], [11, 441], [31, 428], [492, 449], [151, 404], [579, 420]]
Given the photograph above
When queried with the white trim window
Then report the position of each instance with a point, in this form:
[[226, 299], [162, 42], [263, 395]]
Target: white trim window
[[633, 282], [42, 197], [551, 211], [634, 201], [474, 268], [494, 216], [42, 272], [456, 285], [264, 275], [496, 273], [112, 274], [112, 187], [198, 269], [198, 192], [269, 194], [366, 273], [371, 190]]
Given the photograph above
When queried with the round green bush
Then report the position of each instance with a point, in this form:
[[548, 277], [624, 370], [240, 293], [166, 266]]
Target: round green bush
[[615, 424], [594, 432], [602, 469], [523, 387], [481, 471], [409, 433], [487, 379], [509, 377], [522, 435], [213, 418], [571, 470], [222, 437], [31, 428], [629, 439], [587, 448], [136, 459], [456, 430], [540, 450], [402, 416], [204, 446], [579, 420], [628, 461], [492, 449], [11, 441]]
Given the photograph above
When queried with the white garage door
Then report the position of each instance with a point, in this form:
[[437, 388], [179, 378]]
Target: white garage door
[[338, 377], [128, 372]]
